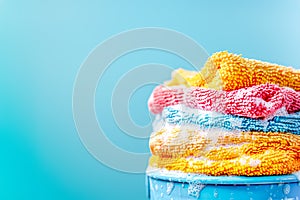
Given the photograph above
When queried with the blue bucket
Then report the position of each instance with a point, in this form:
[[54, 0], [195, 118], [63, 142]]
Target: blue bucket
[[172, 187]]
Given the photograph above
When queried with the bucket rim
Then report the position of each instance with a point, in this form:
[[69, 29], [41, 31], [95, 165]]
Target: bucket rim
[[222, 180]]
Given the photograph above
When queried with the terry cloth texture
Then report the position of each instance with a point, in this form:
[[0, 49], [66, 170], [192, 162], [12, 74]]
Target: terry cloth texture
[[258, 101], [228, 71], [182, 115], [216, 152]]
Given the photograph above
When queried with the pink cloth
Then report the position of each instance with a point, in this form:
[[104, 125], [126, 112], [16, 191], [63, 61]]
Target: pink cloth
[[258, 101]]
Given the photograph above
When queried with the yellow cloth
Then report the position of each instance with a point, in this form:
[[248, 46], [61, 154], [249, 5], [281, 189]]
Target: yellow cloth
[[217, 152], [227, 71]]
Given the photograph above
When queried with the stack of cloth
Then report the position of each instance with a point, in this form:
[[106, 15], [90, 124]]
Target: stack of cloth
[[236, 116]]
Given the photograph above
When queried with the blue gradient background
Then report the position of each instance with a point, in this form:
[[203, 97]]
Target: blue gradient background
[[42, 45]]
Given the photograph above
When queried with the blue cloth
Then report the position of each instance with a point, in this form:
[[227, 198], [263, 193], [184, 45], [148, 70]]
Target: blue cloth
[[206, 119]]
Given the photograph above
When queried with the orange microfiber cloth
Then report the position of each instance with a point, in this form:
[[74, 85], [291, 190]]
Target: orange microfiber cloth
[[228, 71]]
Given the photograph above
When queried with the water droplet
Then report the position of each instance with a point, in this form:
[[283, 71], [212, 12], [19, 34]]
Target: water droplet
[[286, 189], [156, 187], [170, 187], [216, 194], [194, 189], [182, 185], [161, 194], [161, 186], [270, 198], [285, 198]]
